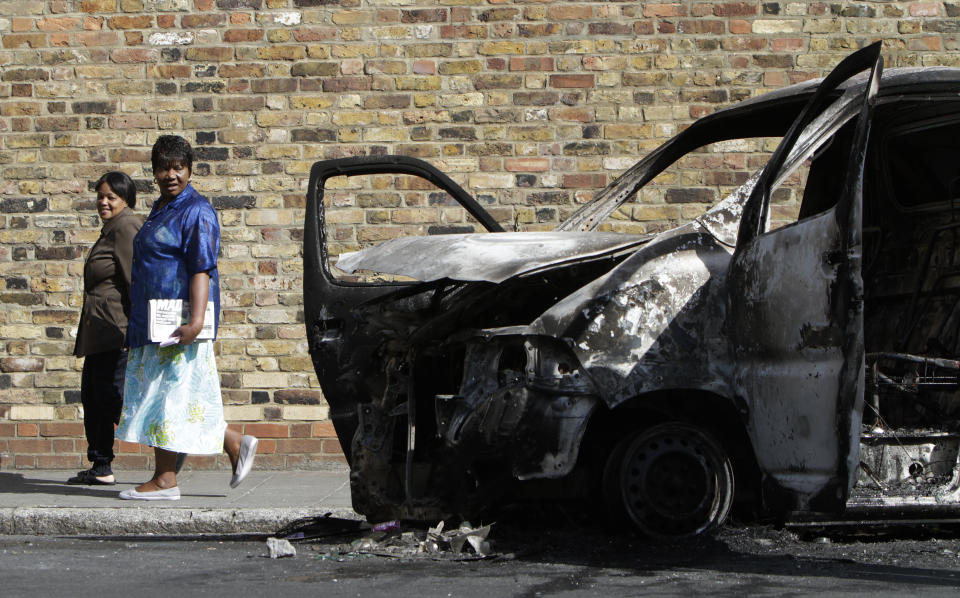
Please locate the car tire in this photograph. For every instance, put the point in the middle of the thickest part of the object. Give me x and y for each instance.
(610, 486)
(676, 482)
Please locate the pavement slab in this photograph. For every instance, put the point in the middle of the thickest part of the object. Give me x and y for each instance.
(39, 502)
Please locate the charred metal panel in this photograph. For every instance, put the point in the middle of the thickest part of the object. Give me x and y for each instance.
(493, 257)
(780, 289)
(650, 323)
(531, 410)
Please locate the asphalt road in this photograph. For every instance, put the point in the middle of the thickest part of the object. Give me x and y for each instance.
(528, 560)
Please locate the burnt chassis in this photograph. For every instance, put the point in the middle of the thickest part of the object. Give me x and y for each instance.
(449, 392)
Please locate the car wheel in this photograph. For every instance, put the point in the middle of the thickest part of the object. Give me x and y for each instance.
(676, 482)
(610, 486)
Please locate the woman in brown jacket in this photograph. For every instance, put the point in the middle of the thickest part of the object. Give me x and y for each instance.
(103, 323)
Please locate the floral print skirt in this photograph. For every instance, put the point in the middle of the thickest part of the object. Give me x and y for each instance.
(171, 399)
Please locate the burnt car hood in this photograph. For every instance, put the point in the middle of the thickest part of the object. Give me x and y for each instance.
(491, 257)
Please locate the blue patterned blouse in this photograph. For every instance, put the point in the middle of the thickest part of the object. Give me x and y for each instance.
(175, 242)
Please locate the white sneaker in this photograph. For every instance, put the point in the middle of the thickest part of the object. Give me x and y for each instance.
(248, 450)
(165, 494)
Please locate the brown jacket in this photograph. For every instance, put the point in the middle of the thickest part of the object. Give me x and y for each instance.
(106, 285)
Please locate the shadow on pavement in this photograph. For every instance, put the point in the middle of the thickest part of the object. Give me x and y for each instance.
(15, 483)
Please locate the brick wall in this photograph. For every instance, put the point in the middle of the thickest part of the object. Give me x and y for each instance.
(532, 106)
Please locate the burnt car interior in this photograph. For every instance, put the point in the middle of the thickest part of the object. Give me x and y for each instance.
(446, 404)
(911, 271)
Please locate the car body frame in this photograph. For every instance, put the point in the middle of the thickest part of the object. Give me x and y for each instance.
(670, 376)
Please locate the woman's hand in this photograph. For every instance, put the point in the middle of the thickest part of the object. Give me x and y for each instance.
(187, 333)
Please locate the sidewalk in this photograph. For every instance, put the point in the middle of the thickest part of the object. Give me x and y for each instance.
(38, 502)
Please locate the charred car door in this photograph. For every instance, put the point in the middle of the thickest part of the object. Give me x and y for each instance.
(342, 347)
(795, 312)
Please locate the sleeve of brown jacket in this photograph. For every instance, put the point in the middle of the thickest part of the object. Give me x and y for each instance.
(123, 247)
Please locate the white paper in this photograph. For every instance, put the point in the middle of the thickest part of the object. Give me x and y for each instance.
(166, 315)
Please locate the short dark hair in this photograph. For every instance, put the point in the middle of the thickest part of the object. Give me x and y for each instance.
(169, 149)
(121, 184)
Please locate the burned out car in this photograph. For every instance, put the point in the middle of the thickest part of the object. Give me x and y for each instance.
(671, 377)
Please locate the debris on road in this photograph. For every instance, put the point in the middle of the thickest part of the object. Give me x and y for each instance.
(280, 548)
(391, 539)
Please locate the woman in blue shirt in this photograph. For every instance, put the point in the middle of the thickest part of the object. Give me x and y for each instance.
(172, 396)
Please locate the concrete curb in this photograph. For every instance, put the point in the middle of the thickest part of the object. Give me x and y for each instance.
(103, 521)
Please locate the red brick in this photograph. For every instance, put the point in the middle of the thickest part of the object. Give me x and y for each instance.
(122, 446)
(166, 21)
(271, 462)
(584, 181)
(266, 446)
(133, 38)
(21, 24)
(741, 44)
(128, 55)
(576, 81)
(98, 38)
(526, 63)
(786, 44)
(664, 10)
(170, 71)
(61, 429)
(324, 430)
(314, 34)
(24, 462)
(204, 462)
(701, 26)
(924, 9)
(924, 44)
(643, 28)
(30, 445)
(300, 445)
(301, 430)
(59, 24)
(25, 430)
(729, 9)
(203, 4)
(527, 164)
(8, 430)
(775, 79)
(132, 462)
(332, 447)
(739, 27)
(242, 35)
(130, 22)
(570, 13)
(65, 445)
(60, 462)
(207, 20)
(267, 430)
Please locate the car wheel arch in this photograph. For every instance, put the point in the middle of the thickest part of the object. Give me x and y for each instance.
(722, 417)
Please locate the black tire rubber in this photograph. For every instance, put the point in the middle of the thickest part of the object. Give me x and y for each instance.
(676, 482)
(610, 488)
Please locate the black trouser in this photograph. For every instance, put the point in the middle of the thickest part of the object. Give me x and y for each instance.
(101, 392)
